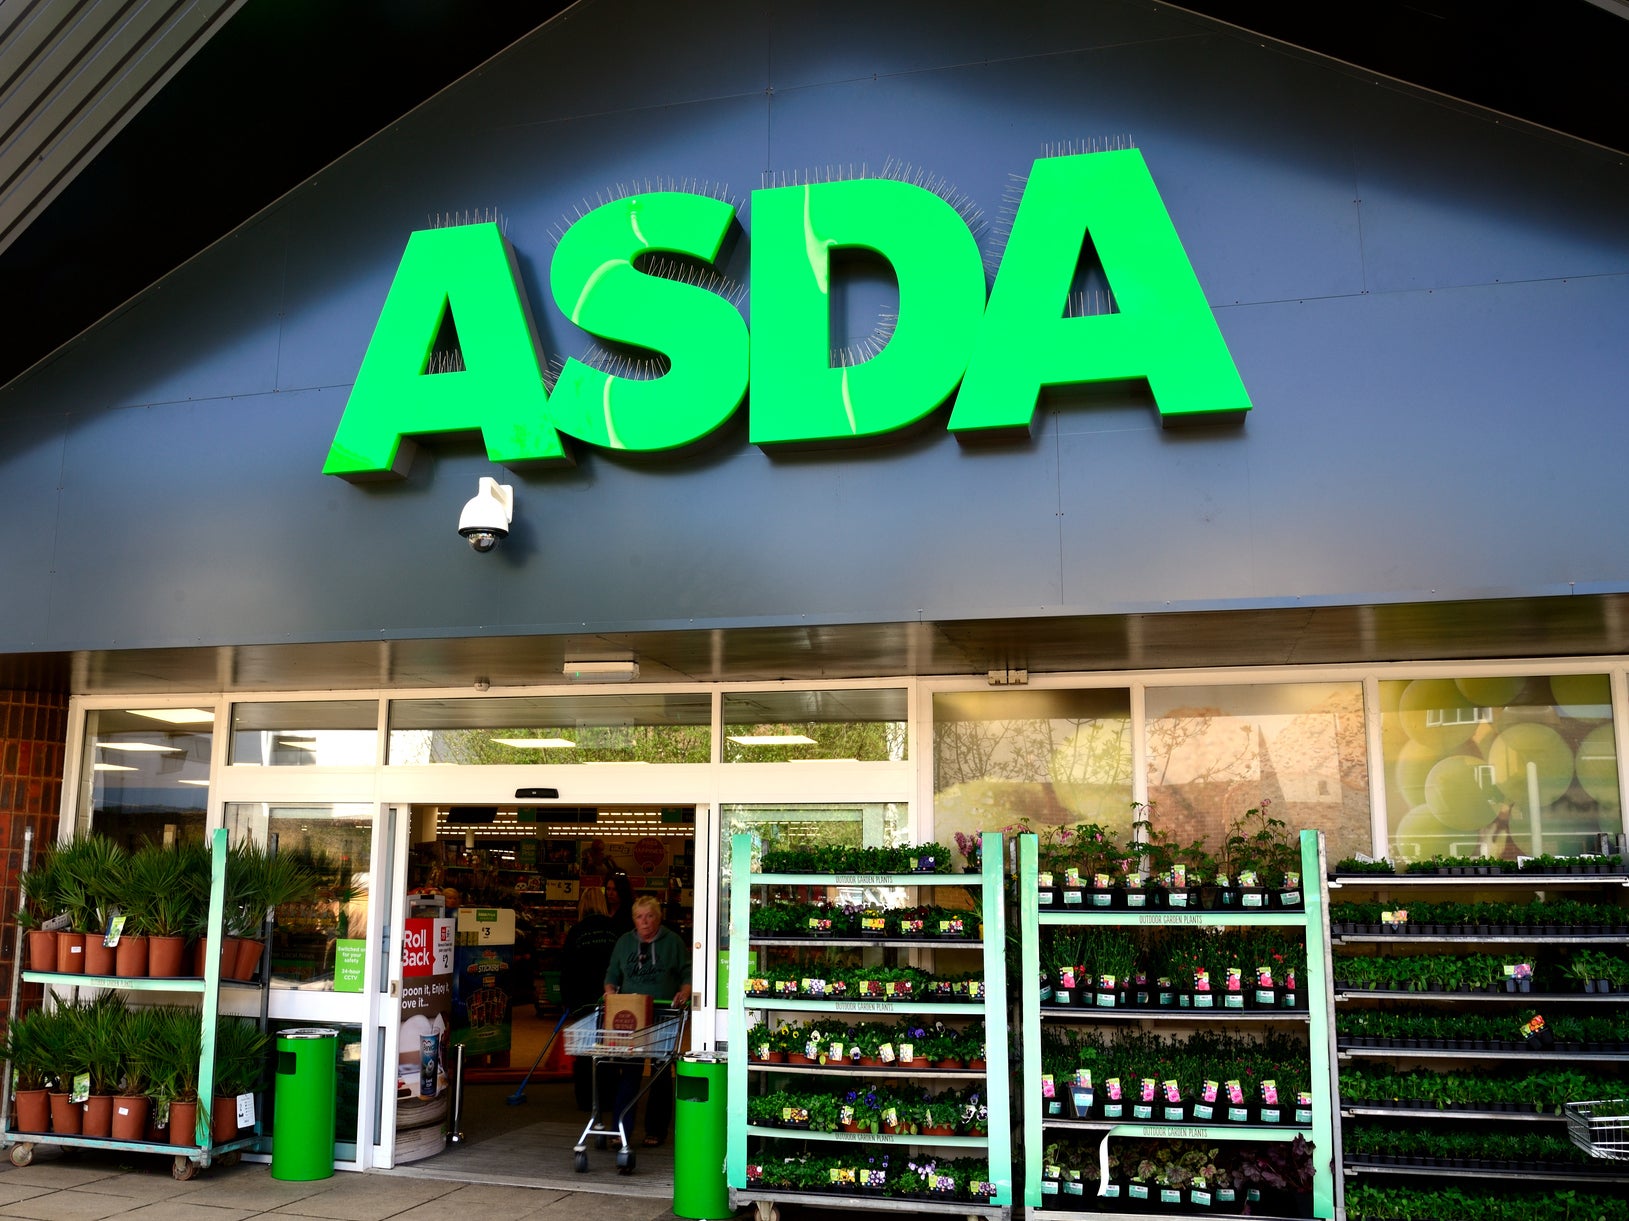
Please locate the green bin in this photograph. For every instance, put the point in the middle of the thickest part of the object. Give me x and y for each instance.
(303, 1110)
(699, 1186)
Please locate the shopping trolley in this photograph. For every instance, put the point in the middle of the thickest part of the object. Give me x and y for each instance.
(1600, 1128)
(660, 1043)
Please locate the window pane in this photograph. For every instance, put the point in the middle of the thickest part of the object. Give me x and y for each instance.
(1052, 757)
(1499, 766)
(323, 733)
(864, 725)
(149, 772)
(623, 728)
(1215, 752)
(862, 824)
(338, 841)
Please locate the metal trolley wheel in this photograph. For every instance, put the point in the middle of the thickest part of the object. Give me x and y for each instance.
(579, 1161)
(625, 1161)
(22, 1155)
(183, 1168)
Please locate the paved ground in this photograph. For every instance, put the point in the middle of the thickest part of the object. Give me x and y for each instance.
(94, 1185)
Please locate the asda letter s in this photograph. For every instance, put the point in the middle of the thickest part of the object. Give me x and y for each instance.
(995, 356)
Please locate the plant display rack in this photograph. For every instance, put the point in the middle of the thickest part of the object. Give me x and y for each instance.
(1311, 920)
(1609, 1064)
(187, 1159)
(746, 1076)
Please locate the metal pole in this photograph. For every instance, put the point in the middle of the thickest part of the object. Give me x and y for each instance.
(455, 1125)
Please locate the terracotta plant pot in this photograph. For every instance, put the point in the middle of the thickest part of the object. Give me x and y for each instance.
(948, 1062)
(165, 956)
(33, 1111)
(248, 959)
(70, 953)
(228, 951)
(67, 1118)
(130, 959)
(100, 959)
(130, 1116)
(98, 1116)
(42, 950)
(182, 1128)
(223, 1119)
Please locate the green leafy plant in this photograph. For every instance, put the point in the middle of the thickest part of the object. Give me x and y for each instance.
(240, 1056)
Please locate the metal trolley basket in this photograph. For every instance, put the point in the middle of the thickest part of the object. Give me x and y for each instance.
(660, 1043)
(1600, 1135)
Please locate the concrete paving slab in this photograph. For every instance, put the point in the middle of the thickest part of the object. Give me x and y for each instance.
(189, 1210)
(11, 1194)
(367, 1197)
(251, 1186)
(69, 1205)
(493, 1203)
(51, 1170)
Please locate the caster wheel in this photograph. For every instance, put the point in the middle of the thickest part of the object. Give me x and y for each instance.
(22, 1155)
(579, 1163)
(625, 1161)
(230, 1158)
(183, 1169)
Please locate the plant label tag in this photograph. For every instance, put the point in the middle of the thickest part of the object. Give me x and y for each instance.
(1171, 1195)
(1142, 1111)
(1074, 1187)
(246, 1110)
(57, 923)
(907, 1053)
(1114, 1110)
(115, 930)
(885, 1053)
(1139, 1191)
(1269, 1115)
(1048, 1090)
(81, 1088)
(1204, 1112)
(1049, 1187)
(1177, 898)
(1238, 1114)
(1252, 899)
(1199, 1199)
(1109, 1191)
(1072, 898)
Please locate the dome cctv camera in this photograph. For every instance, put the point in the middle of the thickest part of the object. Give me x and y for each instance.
(487, 514)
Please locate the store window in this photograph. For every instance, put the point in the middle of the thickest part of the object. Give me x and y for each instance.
(1501, 767)
(312, 941)
(1047, 757)
(1215, 752)
(631, 727)
(863, 725)
(858, 824)
(146, 772)
(317, 733)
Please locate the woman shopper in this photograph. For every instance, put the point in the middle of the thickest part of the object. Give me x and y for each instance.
(583, 961)
(650, 961)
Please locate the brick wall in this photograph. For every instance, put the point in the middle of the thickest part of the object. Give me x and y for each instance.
(33, 737)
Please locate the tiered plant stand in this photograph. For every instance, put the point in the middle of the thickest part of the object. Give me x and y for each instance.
(1404, 889)
(1311, 921)
(187, 1159)
(746, 1076)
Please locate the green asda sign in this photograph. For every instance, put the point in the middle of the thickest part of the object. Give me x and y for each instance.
(995, 356)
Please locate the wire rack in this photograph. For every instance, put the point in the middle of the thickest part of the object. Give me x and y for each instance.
(588, 1036)
(1600, 1135)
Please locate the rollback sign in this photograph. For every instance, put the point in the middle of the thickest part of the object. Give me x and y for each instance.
(995, 356)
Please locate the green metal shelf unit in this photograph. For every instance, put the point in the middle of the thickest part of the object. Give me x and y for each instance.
(1312, 921)
(743, 1074)
(188, 1159)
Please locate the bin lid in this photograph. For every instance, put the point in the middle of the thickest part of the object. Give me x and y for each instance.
(309, 1032)
(704, 1057)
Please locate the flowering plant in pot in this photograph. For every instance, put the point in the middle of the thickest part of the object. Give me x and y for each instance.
(972, 849)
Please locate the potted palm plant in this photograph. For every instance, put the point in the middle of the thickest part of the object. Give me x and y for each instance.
(62, 1045)
(25, 1049)
(90, 866)
(131, 1104)
(161, 884)
(240, 1064)
(269, 880)
(172, 1053)
(102, 1029)
(42, 900)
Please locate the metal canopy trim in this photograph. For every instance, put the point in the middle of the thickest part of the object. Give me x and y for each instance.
(1581, 626)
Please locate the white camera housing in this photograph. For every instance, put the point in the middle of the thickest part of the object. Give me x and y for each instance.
(487, 514)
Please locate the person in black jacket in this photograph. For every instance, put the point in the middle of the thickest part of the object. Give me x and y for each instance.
(619, 902)
(583, 960)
